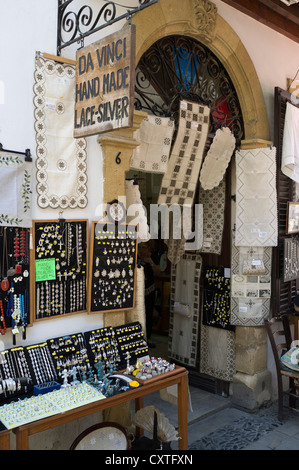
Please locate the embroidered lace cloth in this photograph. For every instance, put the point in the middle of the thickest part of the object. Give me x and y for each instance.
(185, 239)
(15, 190)
(61, 159)
(217, 159)
(213, 202)
(155, 137)
(184, 325)
(290, 146)
(250, 296)
(179, 182)
(217, 352)
(136, 211)
(256, 199)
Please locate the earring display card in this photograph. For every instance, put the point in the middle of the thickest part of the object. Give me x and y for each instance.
(70, 356)
(70, 360)
(15, 279)
(41, 366)
(216, 305)
(14, 366)
(113, 267)
(290, 259)
(60, 261)
(102, 347)
(131, 343)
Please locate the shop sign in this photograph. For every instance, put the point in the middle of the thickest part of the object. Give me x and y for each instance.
(105, 82)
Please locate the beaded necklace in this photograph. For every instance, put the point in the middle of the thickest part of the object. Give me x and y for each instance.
(2, 319)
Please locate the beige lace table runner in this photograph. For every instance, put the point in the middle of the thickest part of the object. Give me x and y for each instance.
(61, 159)
(179, 182)
(155, 137)
(256, 198)
(217, 159)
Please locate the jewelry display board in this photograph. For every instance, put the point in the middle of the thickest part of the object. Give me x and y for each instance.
(116, 347)
(69, 356)
(42, 369)
(102, 346)
(15, 280)
(38, 407)
(216, 302)
(290, 259)
(14, 365)
(70, 359)
(60, 262)
(113, 265)
(131, 343)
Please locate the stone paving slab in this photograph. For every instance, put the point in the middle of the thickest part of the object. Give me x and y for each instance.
(214, 424)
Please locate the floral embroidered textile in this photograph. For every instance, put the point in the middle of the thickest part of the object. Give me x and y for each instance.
(15, 190)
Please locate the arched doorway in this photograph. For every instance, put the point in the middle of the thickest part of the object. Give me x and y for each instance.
(179, 67)
(168, 27)
(199, 19)
(173, 69)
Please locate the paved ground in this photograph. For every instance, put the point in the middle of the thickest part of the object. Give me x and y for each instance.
(215, 425)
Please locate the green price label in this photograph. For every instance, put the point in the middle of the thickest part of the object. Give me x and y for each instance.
(45, 269)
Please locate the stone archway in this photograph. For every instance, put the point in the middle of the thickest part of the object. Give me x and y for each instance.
(199, 19)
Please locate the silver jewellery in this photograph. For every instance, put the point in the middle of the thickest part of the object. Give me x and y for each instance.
(131, 342)
(69, 354)
(113, 269)
(13, 368)
(64, 292)
(14, 280)
(67, 361)
(103, 347)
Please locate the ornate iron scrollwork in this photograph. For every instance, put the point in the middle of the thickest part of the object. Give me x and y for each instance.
(75, 26)
(180, 67)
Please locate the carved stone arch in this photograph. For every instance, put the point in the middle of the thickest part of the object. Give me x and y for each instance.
(199, 19)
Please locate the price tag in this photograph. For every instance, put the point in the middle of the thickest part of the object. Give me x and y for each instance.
(45, 270)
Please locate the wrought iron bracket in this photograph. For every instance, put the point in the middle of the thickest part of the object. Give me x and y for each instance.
(73, 27)
(27, 153)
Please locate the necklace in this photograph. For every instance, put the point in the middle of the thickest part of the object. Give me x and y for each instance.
(4, 282)
(2, 319)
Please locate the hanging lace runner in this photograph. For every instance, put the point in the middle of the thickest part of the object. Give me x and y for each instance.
(61, 159)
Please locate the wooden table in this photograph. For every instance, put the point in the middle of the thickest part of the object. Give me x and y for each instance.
(179, 377)
(5, 440)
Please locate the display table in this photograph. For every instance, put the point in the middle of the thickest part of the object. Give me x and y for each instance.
(179, 377)
(5, 440)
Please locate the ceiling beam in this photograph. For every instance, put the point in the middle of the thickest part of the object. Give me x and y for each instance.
(272, 13)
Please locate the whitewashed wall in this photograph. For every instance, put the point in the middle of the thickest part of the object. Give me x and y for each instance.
(274, 56)
(30, 26)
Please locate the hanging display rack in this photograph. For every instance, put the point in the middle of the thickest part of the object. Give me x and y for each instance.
(27, 153)
(83, 23)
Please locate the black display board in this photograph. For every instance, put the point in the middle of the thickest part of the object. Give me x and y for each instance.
(216, 298)
(14, 280)
(290, 259)
(60, 262)
(113, 267)
(74, 357)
